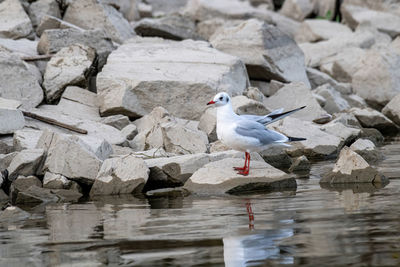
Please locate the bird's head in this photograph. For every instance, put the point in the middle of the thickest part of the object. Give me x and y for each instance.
(220, 99)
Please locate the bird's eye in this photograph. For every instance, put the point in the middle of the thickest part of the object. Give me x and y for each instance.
(221, 98)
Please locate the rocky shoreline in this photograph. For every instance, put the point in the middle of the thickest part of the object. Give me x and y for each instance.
(105, 97)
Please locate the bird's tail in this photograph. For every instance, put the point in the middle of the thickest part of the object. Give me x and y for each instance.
(293, 139)
(277, 115)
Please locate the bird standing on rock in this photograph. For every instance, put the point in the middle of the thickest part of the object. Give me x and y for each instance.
(247, 133)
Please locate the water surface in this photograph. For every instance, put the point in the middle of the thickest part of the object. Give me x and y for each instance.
(354, 225)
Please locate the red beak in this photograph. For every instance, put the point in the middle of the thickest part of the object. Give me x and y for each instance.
(211, 102)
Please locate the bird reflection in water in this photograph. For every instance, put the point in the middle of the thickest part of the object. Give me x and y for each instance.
(250, 213)
(255, 247)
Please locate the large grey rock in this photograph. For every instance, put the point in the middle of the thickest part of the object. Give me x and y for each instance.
(178, 139)
(54, 40)
(129, 131)
(6, 144)
(218, 177)
(315, 52)
(267, 88)
(21, 47)
(207, 28)
(300, 164)
(315, 30)
(25, 163)
(94, 128)
(174, 171)
(5, 159)
(271, 54)
(161, 7)
(73, 157)
(175, 27)
(14, 22)
(128, 8)
(318, 78)
(285, 24)
(11, 120)
(67, 67)
(383, 21)
(50, 22)
(161, 130)
(370, 118)
(334, 102)
(352, 168)
(22, 183)
(345, 133)
(43, 7)
(35, 194)
(378, 81)
(123, 175)
(367, 150)
(208, 122)
(200, 10)
(89, 14)
(155, 72)
(116, 121)
(346, 63)
(15, 74)
(297, 9)
(277, 157)
(319, 144)
(299, 95)
(26, 139)
(78, 103)
(392, 109)
(56, 181)
(244, 105)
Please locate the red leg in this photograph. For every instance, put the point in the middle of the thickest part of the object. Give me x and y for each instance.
(247, 167)
(244, 167)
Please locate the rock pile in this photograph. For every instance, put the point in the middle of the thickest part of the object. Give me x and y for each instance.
(103, 97)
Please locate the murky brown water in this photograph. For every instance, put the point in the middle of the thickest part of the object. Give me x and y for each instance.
(313, 226)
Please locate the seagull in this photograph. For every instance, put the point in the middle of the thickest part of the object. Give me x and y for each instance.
(248, 133)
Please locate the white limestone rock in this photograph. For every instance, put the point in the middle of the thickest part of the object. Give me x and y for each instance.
(16, 74)
(26, 138)
(271, 55)
(315, 30)
(90, 14)
(148, 72)
(392, 109)
(299, 95)
(352, 168)
(11, 120)
(14, 22)
(122, 175)
(67, 67)
(219, 177)
(25, 163)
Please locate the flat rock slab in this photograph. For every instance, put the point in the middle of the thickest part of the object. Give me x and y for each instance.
(219, 177)
(144, 73)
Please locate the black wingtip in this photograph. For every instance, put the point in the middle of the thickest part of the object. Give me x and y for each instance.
(302, 107)
(294, 139)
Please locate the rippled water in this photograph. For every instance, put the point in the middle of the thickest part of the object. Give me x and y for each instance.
(313, 226)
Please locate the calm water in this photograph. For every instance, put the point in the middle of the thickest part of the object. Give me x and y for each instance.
(312, 226)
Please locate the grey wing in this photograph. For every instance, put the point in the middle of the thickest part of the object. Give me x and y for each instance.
(265, 119)
(258, 131)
